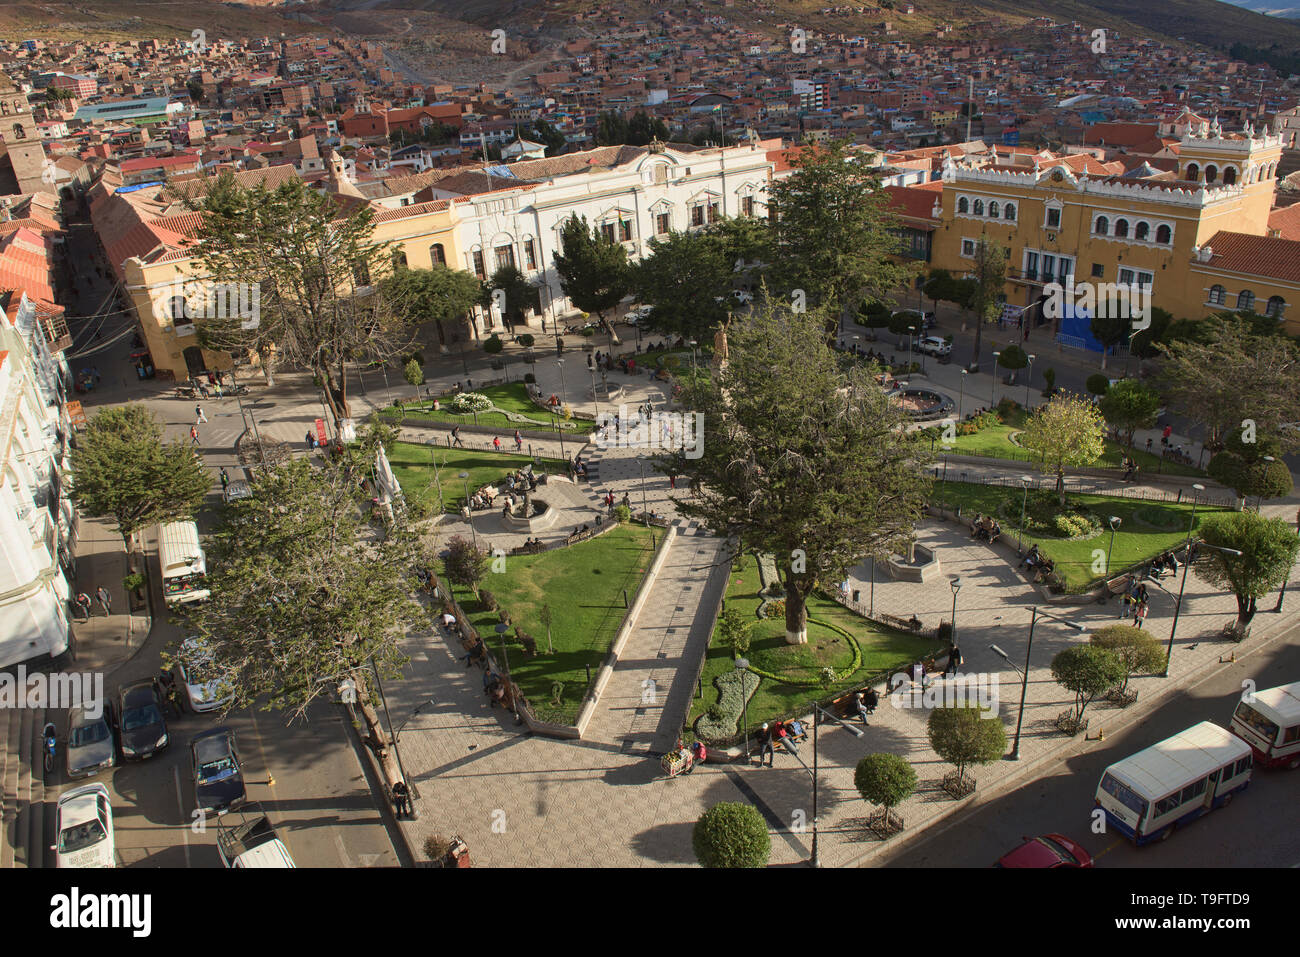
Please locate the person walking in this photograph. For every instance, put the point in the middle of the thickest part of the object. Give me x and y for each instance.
(609, 502)
(199, 417)
(401, 800)
(217, 390)
(82, 602)
(765, 746)
(105, 600)
(954, 660)
(1140, 615)
(194, 435)
(225, 480)
(496, 442)
(455, 436)
(519, 441)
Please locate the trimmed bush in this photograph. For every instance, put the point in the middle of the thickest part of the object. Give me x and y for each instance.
(884, 779)
(488, 600)
(526, 340)
(1072, 526)
(530, 378)
(734, 689)
(493, 345)
(622, 514)
(1097, 384)
(732, 834)
(774, 609)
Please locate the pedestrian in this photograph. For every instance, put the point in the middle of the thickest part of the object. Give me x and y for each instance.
(105, 600)
(401, 800)
(83, 602)
(1164, 436)
(627, 500)
(202, 387)
(954, 660)
(588, 360)
(199, 417)
(519, 441)
(455, 436)
(496, 442)
(1148, 443)
(672, 479)
(218, 390)
(1140, 615)
(765, 746)
(860, 706)
(609, 502)
(194, 435)
(225, 480)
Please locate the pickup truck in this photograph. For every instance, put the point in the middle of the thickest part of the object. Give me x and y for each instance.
(245, 838)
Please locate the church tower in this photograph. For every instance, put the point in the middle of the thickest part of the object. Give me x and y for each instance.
(22, 160)
(1246, 160)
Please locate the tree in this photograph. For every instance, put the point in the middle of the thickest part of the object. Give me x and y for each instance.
(493, 345)
(545, 133)
(593, 270)
(1013, 357)
(803, 459)
(731, 834)
(1130, 405)
(1268, 549)
(520, 294)
(1137, 648)
(55, 96)
(437, 295)
(1097, 384)
(1049, 382)
(413, 374)
(967, 735)
(465, 565)
(938, 287)
(884, 779)
(683, 276)
(1088, 671)
(1144, 342)
(874, 315)
(315, 267)
(733, 632)
(1110, 331)
(1245, 468)
(122, 469)
(1067, 432)
(832, 230)
(304, 601)
(986, 285)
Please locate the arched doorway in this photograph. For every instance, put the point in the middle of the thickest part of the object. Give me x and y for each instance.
(194, 363)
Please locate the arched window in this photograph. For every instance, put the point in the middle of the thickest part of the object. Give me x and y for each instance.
(963, 205)
(1102, 226)
(1142, 231)
(1217, 294)
(399, 259)
(177, 310)
(1275, 306)
(438, 255)
(1229, 175)
(19, 132)
(1164, 235)
(1272, 168)
(1121, 227)
(1211, 173)
(1193, 172)
(1009, 212)
(979, 207)
(1245, 300)
(994, 210)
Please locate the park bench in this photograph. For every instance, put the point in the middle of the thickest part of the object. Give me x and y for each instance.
(534, 549)
(902, 624)
(1118, 585)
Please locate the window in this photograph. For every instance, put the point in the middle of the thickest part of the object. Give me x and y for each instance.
(1031, 265)
(1053, 218)
(963, 205)
(1102, 226)
(505, 256)
(1064, 268)
(1193, 172)
(979, 207)
(625, 230)
(713, 212)
(1009, 213)
(1275, 306)
(661, 173)
(1165, 805)
(1211, 173)
(968, 248)
(993, 209)
(1164, 235)
(399, 259)
(747, 206)
(1217, 295)
(1243, 765)
(1193, 791)
(479, 269)
(607, 231)
(1098, 270)
(1049, 266)
(1121, 228)
(438, 255)
(361, 274)
(697, 215)
(530, 254)
(19, 132)
(1141, 232)
(1245, 300)
(661, 224)
(1229, 176)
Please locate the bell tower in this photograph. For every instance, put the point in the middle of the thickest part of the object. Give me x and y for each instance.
(20, 143)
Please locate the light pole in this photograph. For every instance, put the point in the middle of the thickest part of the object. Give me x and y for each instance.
(742, 665)
(994, 388)
(956, 587)
(1191, 523)
(1024, 675)
(961, 399)
(469, 511)
(818, 711)
(1026, 481)
(564, 395)
(1178, 603)
(694, 343)
(433, 457)
(594, 397)
(645, 510)
(1029, 378)
(1115, 523)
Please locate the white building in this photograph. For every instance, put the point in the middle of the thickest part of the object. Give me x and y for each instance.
(37, 523)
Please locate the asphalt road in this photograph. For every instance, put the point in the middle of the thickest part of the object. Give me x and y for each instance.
(1259, 829)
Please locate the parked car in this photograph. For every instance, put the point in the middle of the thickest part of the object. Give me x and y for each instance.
(218, 778)
(144, 732)
(933, 346)
(928, 319)
(236, 490)
(91, 743)
(639, 314)
(204, 688)
(1049, 850)
(84, 828)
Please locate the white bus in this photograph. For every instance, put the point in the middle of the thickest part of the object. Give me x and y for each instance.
(1270, 723)
(184, 567)
(1174, 782)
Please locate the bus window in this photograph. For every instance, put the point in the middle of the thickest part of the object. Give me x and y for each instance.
(1292, 735)
(1124, 795)
(1243, 765)
(1193, 791)
(1256, 722)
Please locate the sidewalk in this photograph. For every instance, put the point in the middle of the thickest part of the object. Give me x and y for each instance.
(106, 641)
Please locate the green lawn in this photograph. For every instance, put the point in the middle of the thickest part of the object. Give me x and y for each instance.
(882, 649)
(1146, 529)
(413, 466)
(995, 442)
(512, 397)
(584, 586)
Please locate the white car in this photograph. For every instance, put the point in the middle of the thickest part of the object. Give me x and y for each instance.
(639, 314)
(85, 828)
(933, 346)
(236, 490)
(205, 690)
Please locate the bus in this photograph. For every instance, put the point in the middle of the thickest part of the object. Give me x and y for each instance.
(184, 567)
(1174, 782)
(1270, 723)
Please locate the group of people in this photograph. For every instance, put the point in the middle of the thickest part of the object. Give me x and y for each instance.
(1130, 469)
(986, 528)
(483, 498)
(784, 732)
(1135, 603)
(521, 479)
(865, 702)
(1039, 565)
(1163, 563)
(577, 468)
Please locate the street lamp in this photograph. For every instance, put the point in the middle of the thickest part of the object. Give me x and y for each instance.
(1269, 460)
(818, 711)
(1178, 603)
(1026, 481)
(1191, 524)
(956, 587)
(1029, 378)
(962, 397)
(433, 457)
(469, 511)
(1114, 527)
(742, 665)
(594, 397)
(694, 343)
(1024, 675)
(994, 388)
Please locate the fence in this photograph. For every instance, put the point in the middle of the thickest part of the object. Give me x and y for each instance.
(1004, 481)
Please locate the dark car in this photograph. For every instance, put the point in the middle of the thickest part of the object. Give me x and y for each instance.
(143, 730)
(1049, 850)
(91, 747)
(218, 779)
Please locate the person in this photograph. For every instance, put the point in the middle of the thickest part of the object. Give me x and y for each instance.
(627, 501)
(699, 754)
(954, 660)
(455, 436)
(609, 502)
(1164, 436)
(765, 746)
(225, 480)
(105, 600)
(1142, 595)
(475, 653)
(871, 699)
(860, 706)
(194, 435)
(202, 387)
(199, 417)
(782, 735)
(449, 621)
(519, 441)
(797, 731)
(1148, 444)
(217, 390)
(1140, 615)
(310, 440)
(401, 800)
(995, 531)
(1031, 557)
(83, 602)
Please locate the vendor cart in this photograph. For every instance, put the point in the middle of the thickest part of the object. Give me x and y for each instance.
(677, 762)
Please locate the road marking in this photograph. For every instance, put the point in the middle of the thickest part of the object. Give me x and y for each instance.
(344, 856)
(185, 827)
(1106, 850)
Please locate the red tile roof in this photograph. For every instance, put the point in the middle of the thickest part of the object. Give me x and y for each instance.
(1265, 256)
(1286, 222)
(914, 202)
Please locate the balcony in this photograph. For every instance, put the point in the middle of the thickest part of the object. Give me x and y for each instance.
(57, 336)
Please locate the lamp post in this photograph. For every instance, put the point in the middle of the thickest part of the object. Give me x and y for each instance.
(1115, 523)
(956, 587)
(961, 399)
(1029, 377)
(1024, 675)
(564, 395)
(1191, 523)
(594, 397)
(1178, 603)
(818, 711)
(645, 510)
(464, 477)
(1026, 481)
(397, 751)
(994, 388)
(694, 343)
(742, 665)
(433, 457)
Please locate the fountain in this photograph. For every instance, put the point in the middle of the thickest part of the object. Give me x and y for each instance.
(531, 515)
(923, 404)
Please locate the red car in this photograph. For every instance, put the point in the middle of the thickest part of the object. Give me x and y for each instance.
(1050, 850)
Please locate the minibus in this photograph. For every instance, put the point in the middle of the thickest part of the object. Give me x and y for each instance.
(184, 568)
(1174, 782)
(1269, 721)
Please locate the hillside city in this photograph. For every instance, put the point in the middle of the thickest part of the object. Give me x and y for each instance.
(658, 439)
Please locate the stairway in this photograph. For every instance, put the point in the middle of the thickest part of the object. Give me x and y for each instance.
(22, 788)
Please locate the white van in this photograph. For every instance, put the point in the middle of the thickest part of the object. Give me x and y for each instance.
(245, 839)
(1270, 723)
(184, 567)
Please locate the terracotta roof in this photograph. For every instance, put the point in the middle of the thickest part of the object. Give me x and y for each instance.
(26, 264)
(913, 202)
(1120, 134)
(1286, 222)
(415, 209)
(1264, 256)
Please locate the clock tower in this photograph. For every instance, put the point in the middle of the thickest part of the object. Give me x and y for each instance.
(22, 154)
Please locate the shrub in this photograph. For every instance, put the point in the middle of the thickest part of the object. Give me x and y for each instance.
(469, 402)
(732, 834)
(493, 345)
(1049, 380)
(734, 689)
(774, 609)
(714, 712)
(526, 340)
(1072, 526)
(967, 735)
(1139, 650)
(504, 615)
(528, 641)
(884, 779)
(622, 513)
(1097, 384)
(133, 581)
(733, 632)
(488, 600)
(530, 378)
(1007, 408)
(465, 564)
(436, 847)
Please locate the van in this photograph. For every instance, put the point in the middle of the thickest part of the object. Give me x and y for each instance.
(184, 566)
(1269, 721)
(245, 838)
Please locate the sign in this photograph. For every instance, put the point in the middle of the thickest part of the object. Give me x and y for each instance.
(1011, 137)
(320, 432)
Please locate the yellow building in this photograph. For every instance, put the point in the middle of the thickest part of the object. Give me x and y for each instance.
(1198, 241)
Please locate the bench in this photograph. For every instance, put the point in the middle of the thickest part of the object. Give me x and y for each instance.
(534, 549)
(1116, 586)
(902, 624)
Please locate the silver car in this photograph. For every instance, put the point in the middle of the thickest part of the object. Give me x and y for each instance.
(91, 744)
(205, 687)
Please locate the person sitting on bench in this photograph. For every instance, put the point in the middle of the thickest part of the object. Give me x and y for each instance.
(1031, 558)
(1044, 571)
(994, 531)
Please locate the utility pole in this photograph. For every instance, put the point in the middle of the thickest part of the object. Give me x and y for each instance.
(970, 105)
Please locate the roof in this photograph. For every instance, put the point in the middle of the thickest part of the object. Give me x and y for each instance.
(1267, 257)
(1179, 760)
(1286, 222)
(1283, 701)
(913, 202)
(1121, 134)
